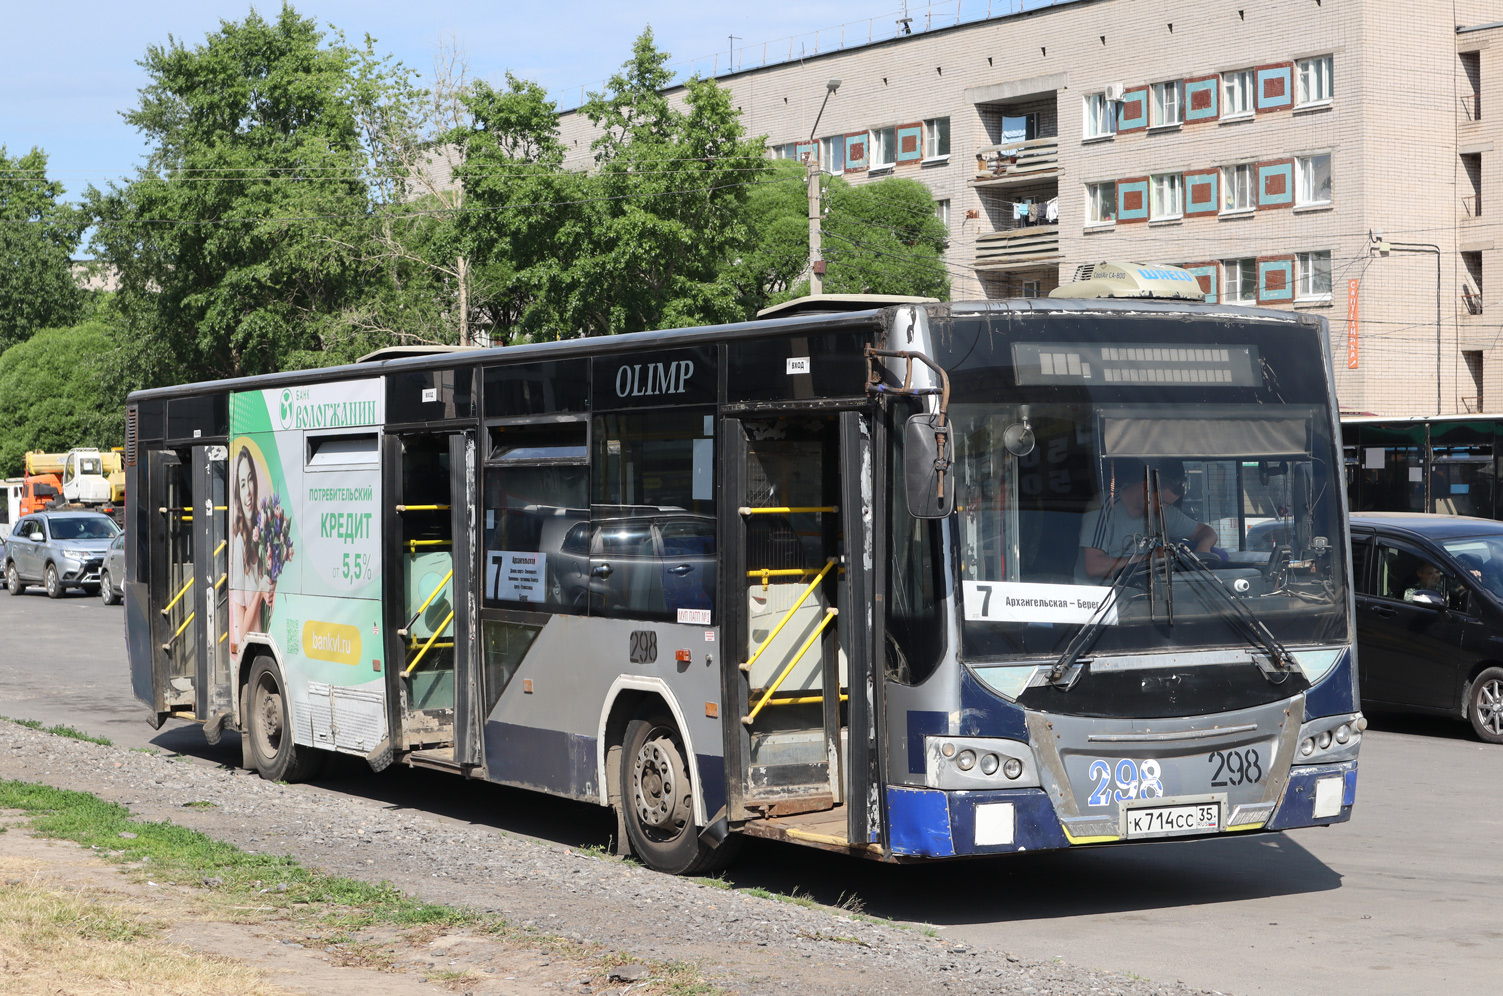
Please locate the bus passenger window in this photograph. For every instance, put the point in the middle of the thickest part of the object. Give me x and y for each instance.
(536, 501)
(652, 516)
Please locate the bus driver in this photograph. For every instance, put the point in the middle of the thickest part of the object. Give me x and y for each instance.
(1109, 535)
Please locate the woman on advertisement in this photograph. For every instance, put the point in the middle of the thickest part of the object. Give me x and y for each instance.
(260, 548)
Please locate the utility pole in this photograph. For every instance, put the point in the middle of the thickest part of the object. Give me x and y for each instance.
(816, 263)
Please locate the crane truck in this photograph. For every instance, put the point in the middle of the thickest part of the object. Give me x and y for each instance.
(83, 477)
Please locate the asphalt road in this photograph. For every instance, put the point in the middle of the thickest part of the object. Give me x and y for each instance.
(1401, 900)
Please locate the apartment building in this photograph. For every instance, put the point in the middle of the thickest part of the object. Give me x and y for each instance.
(1318, 155)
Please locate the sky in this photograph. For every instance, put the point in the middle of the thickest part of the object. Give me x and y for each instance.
(70, 70)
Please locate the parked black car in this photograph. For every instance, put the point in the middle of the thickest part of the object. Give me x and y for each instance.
(1430, 615)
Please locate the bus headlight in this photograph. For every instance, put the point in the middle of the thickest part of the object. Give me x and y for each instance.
(1343, 733)
(1013, 768)
(1307, 747)
(966, 761)
(1324, 740)
(989, 764)
(971, 763)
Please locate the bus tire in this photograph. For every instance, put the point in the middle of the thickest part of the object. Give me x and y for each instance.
(1484, 705)
(657, 798)
(269, 718)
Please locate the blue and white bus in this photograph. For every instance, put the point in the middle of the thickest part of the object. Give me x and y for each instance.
(900, 579)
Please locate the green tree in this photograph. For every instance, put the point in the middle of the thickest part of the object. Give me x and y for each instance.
(54, 395)
(38, 235)
(233, 245)
(650, 238)
(876, 238)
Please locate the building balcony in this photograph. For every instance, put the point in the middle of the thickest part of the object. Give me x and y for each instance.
(1473, 301)
(1016, 163)
(1018, 248)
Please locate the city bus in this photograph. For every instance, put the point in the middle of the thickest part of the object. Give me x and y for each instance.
(1425, 463)
(816, 577)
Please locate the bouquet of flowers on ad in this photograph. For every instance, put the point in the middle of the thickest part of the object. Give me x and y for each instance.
(272, 537)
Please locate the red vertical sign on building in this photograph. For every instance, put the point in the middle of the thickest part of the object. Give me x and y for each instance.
(1351, 325)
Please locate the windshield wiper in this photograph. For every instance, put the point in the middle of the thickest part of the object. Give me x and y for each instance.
(1087, 633)
(1281, 661)
(1156, 512)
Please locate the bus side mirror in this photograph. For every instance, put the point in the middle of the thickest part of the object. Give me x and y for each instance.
(929, 466)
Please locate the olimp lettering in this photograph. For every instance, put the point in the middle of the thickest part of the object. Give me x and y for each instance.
(643, 379)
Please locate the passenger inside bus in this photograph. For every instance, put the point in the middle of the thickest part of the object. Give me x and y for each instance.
(1111, 536)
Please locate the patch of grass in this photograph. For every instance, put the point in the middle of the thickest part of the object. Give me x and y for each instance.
(927, 930)
(715, 882)
(30, 724)
(820, 935)
(759, 893)
(851, 903)
(200, 804)
(142, 750)
(76, 734)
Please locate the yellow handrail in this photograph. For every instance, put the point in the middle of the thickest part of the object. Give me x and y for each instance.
(174, 636)
(784, 509)
(429, 600)
(220, 548)
(449, 618)
(830, 614)
(805, 700)
(789, 614)
(178, 597)
(222, 579)
(414, 544)
(423, 508)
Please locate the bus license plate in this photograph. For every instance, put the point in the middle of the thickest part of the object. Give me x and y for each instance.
(1202, 817)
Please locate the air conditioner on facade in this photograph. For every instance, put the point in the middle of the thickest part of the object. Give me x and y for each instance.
(1114, 91)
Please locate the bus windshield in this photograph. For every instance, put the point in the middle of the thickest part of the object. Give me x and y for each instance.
(1132, 439)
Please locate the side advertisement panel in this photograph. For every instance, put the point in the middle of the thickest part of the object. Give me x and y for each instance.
(305, 552)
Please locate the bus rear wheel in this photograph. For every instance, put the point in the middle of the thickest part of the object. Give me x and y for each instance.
(657, 799)
(269, 726)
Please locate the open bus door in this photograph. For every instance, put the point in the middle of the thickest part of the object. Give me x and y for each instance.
(798, 569)
(213, 681)
(432, 612)
(170, 618)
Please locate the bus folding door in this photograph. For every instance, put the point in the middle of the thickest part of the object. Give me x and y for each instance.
(787, 676)
(174, 643)
(209, 521)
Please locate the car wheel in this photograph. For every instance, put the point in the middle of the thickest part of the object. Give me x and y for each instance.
(13, 580)
(53, 583)
(107, 589)
(269, 715)
(657, 800)
(91, 590)
(1484, 705)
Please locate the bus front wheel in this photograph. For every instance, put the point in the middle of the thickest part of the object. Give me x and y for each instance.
(269, 720)
(657, 798)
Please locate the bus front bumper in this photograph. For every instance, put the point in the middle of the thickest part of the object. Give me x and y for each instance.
(935, 823)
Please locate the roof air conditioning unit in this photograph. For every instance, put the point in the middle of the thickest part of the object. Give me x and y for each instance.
(1114, 91)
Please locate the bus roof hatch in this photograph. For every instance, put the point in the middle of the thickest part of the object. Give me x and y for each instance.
(1147, 280)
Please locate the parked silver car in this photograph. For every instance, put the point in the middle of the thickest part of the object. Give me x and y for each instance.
(112, 573)
(59, 550)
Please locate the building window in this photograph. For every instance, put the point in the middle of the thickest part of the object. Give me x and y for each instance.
(1237, 188)
(942, 212)
(1314, 275)
(884, 147)
(789, 151)
(1030, 288)
(936, 138)
(832, 154)
(1314, 180)
(1240, 283)
(1101, 203)
(1168, 197)
(1315, 80)
(1166, 104)
(1471, 287)
(1237, 93)
(1100, 116)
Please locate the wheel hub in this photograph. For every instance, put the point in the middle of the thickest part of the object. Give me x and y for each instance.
(661, 797)
(1490, 706)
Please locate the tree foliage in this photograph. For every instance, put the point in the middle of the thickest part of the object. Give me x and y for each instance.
(233, 244)
(38, 235)
(53, 394)
(876, 238)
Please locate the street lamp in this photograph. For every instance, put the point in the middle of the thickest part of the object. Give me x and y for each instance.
(816, 265)
(1383, 247)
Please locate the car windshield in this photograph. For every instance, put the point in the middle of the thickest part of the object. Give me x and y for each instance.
(1481, 557)
(91, 527)
(1120, 450)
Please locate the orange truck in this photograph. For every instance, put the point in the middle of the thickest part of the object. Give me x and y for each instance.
(83, 477)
